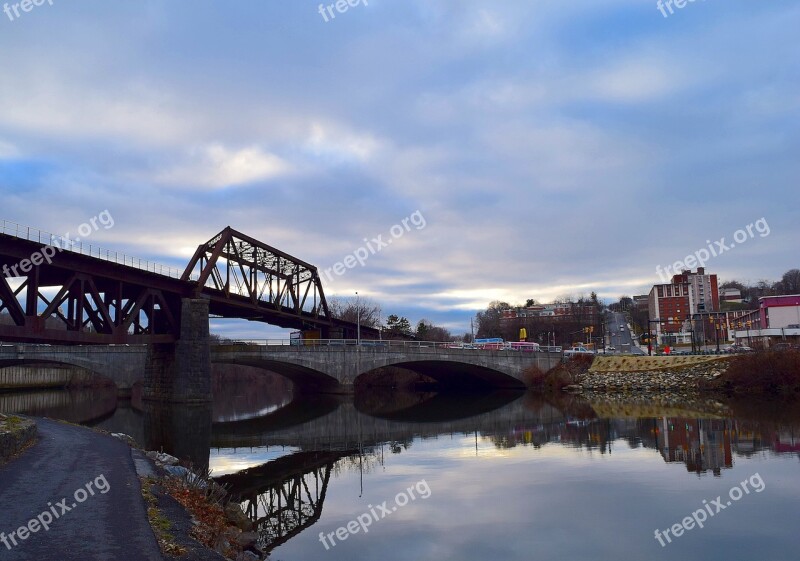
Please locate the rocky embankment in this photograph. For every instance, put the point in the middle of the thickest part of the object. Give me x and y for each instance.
(648, 374)
(15, 433)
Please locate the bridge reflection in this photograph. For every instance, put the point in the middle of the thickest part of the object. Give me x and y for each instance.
(283, 497)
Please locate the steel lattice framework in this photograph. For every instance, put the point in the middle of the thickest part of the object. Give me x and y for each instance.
(80, 299)
(285, 496)
(238, 267)
(82, 294)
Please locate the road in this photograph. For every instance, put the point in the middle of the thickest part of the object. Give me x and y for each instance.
(619, 334)
(90, 475)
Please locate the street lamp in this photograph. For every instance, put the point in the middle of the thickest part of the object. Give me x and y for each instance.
(358, 322)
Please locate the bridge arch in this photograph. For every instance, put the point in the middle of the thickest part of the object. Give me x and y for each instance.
(84, 365)
(455, 375)
(303, 377)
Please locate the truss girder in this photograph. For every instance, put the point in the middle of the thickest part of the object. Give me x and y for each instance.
(232, 264)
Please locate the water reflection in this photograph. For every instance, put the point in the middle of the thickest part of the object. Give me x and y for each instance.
(318, 461)
(283, 497)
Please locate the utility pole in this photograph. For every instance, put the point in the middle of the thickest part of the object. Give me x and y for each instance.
(358, 322)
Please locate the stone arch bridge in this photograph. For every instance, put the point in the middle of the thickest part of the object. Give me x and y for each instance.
(330, 366)
(334, 365)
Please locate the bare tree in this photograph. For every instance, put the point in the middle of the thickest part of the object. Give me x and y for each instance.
(351, 309)
(427, 331)
(790, 282)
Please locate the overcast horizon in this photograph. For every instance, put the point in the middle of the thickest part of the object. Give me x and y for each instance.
(534, 149)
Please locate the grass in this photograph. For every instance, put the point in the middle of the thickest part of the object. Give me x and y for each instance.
(629, 363)
(160, 524)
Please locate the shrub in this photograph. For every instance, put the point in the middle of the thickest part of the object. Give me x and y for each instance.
(762, 372)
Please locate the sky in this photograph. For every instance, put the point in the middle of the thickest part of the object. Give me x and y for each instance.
(536, 149)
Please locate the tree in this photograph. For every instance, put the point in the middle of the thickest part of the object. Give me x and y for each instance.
(398, 326)
(530, 302)
(361, 310)
(489, 321)
(790, 282)
(427, 331)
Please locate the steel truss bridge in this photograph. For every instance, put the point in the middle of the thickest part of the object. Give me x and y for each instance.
(57, 291)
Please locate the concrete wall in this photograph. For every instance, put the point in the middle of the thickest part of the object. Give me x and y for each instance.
(35, 377)
(123, 364)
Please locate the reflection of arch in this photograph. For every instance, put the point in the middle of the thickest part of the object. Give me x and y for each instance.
(454, 375)
(302, 377)
(81, 407)
(300, 410)
(285, 496)
(433, 407)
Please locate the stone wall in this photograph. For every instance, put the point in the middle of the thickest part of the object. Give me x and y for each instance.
(15, 433)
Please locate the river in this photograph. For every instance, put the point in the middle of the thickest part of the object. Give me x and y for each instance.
(503, 476)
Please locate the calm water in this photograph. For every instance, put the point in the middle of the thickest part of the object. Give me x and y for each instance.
(504, 477)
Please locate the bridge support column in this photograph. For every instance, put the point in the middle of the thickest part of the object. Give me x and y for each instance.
(181, 372)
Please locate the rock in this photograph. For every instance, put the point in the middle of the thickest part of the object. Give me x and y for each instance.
(247, 556)
(163, 458)
(234, 514)
(247, 540)
(125, 438)
(177, 471)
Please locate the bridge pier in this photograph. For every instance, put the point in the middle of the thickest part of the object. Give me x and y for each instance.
(181, 372)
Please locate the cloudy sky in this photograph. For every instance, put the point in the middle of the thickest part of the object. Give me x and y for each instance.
(553, 147)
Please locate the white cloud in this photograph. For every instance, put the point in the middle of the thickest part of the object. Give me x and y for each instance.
(335, 144)
(216, 166)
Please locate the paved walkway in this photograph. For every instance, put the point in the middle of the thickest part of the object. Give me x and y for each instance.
(90, 475)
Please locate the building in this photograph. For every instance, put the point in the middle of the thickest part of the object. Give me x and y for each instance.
(730, 295)
(705, 290)
(777, 320)
(670, 304)
(569, 311)
(675, 303)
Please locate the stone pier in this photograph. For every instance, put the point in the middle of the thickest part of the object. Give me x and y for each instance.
(181, 372)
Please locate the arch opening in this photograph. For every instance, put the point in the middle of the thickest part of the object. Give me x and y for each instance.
(303, 378)
(453, 376)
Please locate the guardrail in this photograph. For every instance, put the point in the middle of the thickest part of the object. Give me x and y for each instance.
(63, 244)
(383, 344)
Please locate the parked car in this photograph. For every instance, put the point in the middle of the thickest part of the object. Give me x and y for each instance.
(737, 349)
(577, 350)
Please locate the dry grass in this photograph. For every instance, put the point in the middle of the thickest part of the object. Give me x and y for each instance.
(630, 363)
(769, 372)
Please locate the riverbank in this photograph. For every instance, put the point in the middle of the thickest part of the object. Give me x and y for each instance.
(16, 433)
(775, 373)
(146, 502)
(650, 374)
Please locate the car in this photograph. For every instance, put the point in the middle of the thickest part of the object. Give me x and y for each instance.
(577, 350)
(737, 349)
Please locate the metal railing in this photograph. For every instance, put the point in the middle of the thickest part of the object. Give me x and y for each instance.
(91, 250)
(371, 344)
